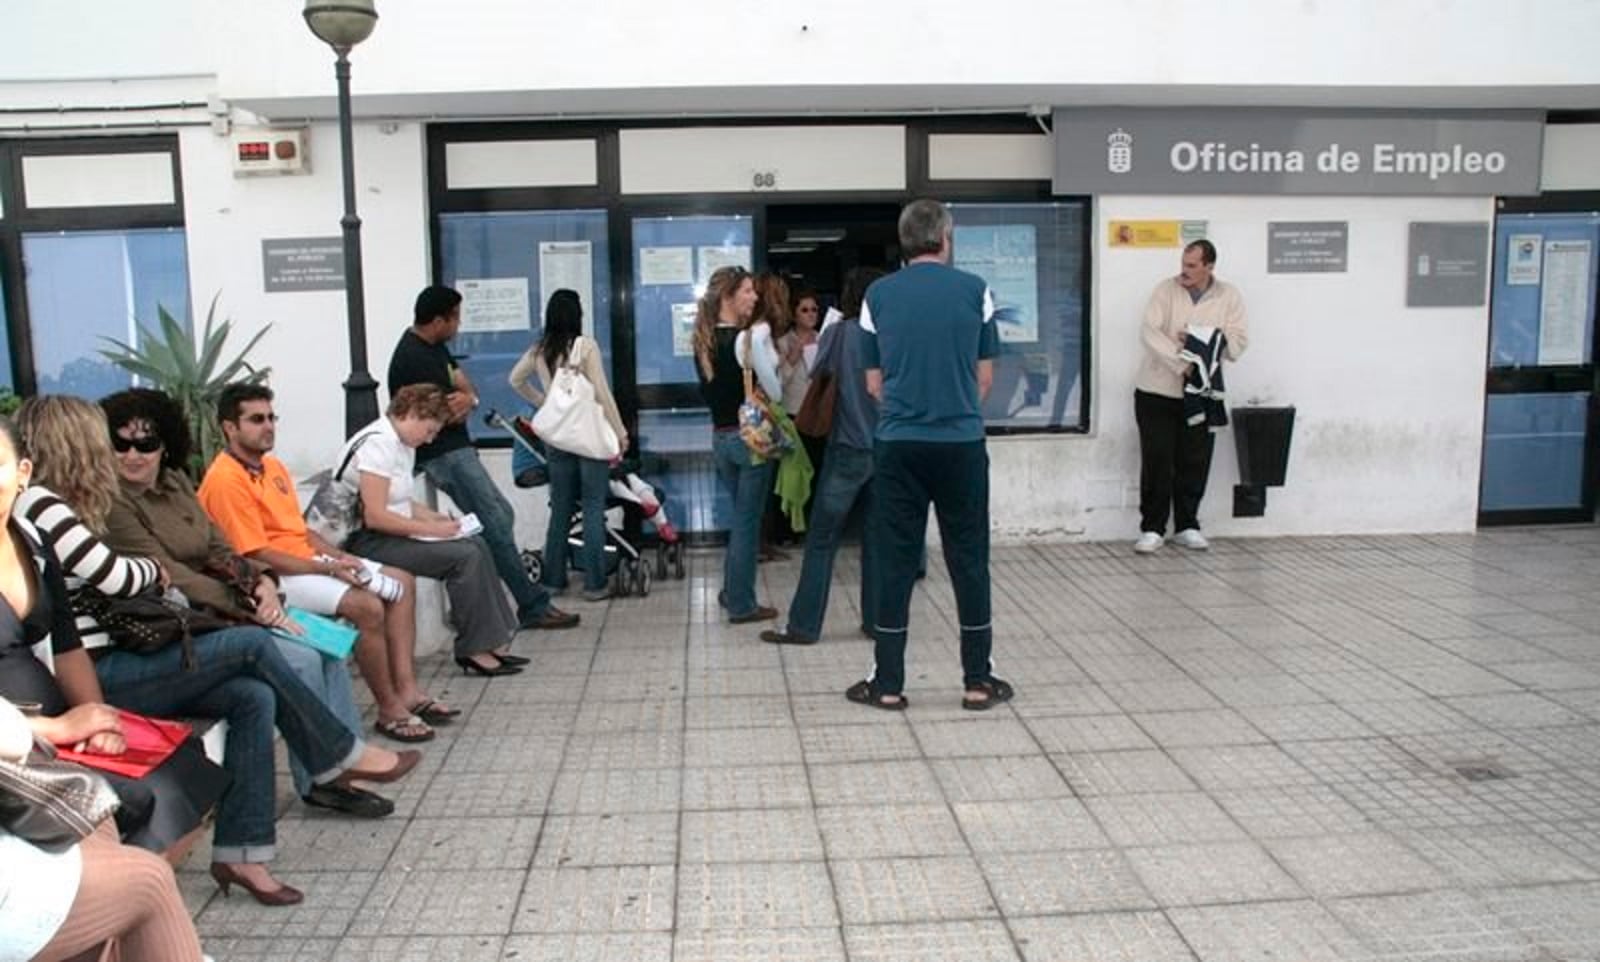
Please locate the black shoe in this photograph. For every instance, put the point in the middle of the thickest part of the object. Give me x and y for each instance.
(351, 801)
(785, 638)
(759, 613)
(550, 619)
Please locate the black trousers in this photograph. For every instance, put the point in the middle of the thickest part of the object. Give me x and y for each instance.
(1174, 461)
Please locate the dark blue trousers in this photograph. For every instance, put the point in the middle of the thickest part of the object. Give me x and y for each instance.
(954, 478)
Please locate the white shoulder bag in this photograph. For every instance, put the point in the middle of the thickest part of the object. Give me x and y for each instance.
(571, 419)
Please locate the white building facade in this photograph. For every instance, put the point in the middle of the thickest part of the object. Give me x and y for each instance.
(626, 146)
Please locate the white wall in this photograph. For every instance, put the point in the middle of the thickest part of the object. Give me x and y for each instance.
(1389, 400)
(308, 346)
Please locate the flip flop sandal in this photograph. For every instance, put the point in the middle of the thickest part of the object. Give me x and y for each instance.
(434, 713)
(862, 693)
(410, 729)
(995, 692)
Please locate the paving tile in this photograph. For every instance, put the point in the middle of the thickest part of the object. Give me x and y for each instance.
(637, 838)
(750, 835)
(335, 844)
(889, 739)
(868, 783)
(722, 747)
(890, 831)
(1301, 931)
(1485, 856)
(434, 902)
(607, 947)
(631, 898)
(478, 844)
(1211, 873)
(614, 791)
(1123, 773)
(1028, 825)
(1371, 863)
(1560, 919)
(1220, 726)
(1089, 880)
(333, 900)
(972, 941)
(1306, 722)
(1106, 937)
(267, 949)
(598, 716)
(761, 895)
(1168, 818)
(1431, 926)
(1225, 767)
(911, 890)
(758, 945)
(417, 948)
(745, 786)
(965, 737)
(1088, 733)
(475, 794)
(999, 779)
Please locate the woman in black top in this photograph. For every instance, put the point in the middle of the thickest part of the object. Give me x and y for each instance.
(722, 341)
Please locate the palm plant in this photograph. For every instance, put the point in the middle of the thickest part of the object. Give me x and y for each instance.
(191, 371)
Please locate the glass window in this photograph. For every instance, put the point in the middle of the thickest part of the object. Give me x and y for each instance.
(1533, 451)
(1542, 313)
(503, 263)
(6, 381)
(84, 286)
(1032, 255)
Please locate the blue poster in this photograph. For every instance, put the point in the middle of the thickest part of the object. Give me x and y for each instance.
(1007, 256)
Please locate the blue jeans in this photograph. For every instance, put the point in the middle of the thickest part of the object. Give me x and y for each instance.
(746, 484)
(460, 474)
(571, 477)
(241, 678)
(329, 680)
(845, 482)
(954, 478)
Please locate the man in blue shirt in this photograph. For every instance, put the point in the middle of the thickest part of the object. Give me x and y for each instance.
(928, 359)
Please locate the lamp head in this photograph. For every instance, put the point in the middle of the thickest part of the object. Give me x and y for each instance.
(341, 24)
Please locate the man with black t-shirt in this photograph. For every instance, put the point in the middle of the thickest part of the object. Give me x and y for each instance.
(451, 462)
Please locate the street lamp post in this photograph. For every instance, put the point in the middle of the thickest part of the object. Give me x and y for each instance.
(342, 24)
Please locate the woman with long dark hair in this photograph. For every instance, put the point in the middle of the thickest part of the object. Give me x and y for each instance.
(572, 476)
(725, 343)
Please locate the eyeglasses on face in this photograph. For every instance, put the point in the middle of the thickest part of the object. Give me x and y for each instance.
(149, 444)
(259, 418)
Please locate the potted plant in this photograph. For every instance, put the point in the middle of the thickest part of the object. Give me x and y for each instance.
(191, 370)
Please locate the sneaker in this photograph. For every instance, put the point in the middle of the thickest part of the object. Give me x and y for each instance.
(1192, 539)
(597, 594)
(785, 638)
(759, 613)
(1149, 542)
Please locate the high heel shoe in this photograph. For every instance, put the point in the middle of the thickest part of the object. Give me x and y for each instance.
(515, 661)
(226, 876)
(470, 667)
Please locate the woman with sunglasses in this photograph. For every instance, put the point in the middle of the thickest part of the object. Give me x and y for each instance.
(240, 676)
(723, 346)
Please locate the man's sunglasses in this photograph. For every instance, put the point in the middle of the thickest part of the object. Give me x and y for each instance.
(259, 418)
(149, 444)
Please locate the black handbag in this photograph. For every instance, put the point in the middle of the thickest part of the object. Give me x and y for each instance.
(50, 802)
(147, 622)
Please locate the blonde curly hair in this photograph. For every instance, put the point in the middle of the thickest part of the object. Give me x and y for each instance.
(70, 446)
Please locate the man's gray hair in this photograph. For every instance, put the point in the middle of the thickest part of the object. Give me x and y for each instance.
(923, 226)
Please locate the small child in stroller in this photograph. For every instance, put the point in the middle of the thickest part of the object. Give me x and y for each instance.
(638, 500)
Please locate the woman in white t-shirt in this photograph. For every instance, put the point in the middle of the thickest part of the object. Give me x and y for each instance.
(398, 530)
(573, 478)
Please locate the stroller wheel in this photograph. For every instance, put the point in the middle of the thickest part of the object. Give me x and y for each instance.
(676, 551)
(661, 561)
(643, 580)
(625, 577)
(533, 564)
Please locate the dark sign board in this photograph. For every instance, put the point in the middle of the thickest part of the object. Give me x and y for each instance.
(1308, 247)
(302, 264)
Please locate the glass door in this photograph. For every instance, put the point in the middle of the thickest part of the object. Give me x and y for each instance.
(1539, 446)
(672, 257)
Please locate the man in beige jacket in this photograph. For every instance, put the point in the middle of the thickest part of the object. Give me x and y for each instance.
(1175, 457)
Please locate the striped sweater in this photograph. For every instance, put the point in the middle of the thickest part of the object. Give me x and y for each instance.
(85, 559)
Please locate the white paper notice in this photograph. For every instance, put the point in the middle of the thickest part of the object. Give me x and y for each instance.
(711, 258)
(666, 265)
(683, 329)
(1564, 302)
(493, 304)
(1522, 260)
(570, 265)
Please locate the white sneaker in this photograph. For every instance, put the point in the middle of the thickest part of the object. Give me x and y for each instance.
(1149, 542)
(1192, 539)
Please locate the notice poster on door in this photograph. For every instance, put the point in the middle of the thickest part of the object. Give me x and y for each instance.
(709, 259)
(1007, 257)
(683, 329)
(1564, 302)
(492, 305)
(1523, 259)
(660, 266)
(568, 265)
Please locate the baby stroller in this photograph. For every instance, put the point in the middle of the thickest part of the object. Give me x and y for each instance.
(638, 501)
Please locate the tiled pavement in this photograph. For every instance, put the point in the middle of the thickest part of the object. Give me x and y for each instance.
(1271, 751)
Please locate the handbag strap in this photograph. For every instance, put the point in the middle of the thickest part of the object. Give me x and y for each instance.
(744, 362)
(339, 474)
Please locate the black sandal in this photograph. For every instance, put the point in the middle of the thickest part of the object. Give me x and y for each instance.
(995, 692)
(862, 693)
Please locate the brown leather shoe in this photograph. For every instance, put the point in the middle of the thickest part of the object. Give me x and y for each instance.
(552, 619)
(760, 613)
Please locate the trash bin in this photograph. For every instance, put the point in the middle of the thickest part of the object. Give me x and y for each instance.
(1261, 438)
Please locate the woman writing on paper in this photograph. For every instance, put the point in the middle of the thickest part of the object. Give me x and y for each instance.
(572, 476)
(397, 530)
